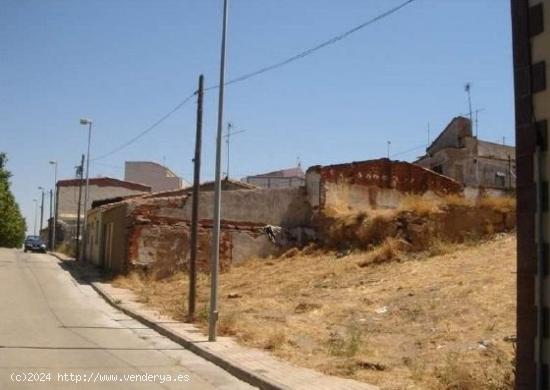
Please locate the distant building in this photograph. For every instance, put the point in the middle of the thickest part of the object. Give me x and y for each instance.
(154, 175)
(99, 188)
(285, 178)
(472, 162)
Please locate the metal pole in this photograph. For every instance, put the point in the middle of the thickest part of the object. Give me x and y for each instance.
(35, 214)
(41, 211)
(195, 211)
(213, 317)
(81, 174)
(86, 193)
(50, 241)
(54, 228)
(467, 88)
(389, 145)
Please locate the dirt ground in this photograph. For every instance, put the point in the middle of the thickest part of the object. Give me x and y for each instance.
(444, 321)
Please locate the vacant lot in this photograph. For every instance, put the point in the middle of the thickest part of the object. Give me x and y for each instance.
(417, 321)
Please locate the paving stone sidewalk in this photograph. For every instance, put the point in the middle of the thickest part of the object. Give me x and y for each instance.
(257, 367)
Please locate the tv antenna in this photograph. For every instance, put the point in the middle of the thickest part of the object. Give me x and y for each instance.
(227, 137)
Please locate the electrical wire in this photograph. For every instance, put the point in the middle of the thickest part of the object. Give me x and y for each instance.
(147, 130)
(312, 50)
(408, 150)
(258, 72)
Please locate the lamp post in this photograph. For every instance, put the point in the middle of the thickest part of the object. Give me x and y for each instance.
(85, 122)
(42, 190)
(52, 245)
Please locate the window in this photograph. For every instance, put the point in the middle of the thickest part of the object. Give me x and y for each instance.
(500, 179)
(538, 77)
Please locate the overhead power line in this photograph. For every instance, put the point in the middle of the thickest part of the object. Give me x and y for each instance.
(320, 46)
(147, 130)
(408, 151)
(265, 69)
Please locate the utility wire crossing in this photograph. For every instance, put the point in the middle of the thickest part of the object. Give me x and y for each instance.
(260, 71)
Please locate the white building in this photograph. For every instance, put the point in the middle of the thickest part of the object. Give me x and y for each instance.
(154, 175)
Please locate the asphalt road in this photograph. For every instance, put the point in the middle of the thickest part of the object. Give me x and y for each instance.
(56, 333)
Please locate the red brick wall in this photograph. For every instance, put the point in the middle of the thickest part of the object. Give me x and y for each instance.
(384, 173)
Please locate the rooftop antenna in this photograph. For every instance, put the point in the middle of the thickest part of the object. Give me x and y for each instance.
(389, 145)
(467, 88)
(298, 162)
(227, 136)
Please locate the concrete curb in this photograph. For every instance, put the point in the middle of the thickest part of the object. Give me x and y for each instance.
(234, 369)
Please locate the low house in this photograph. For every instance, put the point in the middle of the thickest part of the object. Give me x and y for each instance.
(155, 229)
(474, 163)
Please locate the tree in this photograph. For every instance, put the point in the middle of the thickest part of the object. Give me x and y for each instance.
(12, 223)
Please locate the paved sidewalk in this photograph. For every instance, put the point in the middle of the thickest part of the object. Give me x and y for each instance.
(257, 367)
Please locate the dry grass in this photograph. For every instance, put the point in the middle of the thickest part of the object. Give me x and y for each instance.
(423, 206)
(385, 316)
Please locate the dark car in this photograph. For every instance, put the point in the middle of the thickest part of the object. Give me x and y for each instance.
(34, 244)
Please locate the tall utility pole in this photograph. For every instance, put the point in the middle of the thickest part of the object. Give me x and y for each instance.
(49, 221)
(54, 227)
(195, 211)
(86, 194)
(227, 141)
(80, 174)
(41, 209)
(35, 214)
(51, 204)
(215, 264)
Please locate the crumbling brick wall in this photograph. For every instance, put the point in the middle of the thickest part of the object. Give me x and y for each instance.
(374, 180)
(159, 234)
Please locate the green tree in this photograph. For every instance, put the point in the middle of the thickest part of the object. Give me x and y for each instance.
(12, 223)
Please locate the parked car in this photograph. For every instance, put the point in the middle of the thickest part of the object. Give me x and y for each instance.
(34, 244)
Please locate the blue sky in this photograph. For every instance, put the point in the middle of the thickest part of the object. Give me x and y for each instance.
(126, 63)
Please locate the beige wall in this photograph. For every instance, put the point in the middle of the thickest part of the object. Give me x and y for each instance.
(154, 175)
(68, 198)
(107, 237)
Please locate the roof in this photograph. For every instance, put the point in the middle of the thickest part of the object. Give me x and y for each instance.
(116, 199)
(226, 184)
(290, 172)
(105, 182)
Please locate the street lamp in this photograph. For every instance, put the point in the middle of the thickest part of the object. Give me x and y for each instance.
(52, 245)
(42, 189)
(85, 122)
